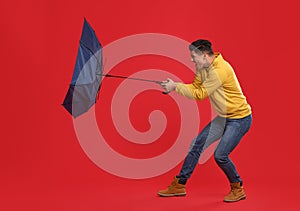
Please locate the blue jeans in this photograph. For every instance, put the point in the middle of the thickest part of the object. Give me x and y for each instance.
(230, 133)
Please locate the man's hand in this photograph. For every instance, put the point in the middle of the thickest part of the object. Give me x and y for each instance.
(169, 85)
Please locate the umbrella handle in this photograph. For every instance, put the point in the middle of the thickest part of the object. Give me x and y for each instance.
(164, 92)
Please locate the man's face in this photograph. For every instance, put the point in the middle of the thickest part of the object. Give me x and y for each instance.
(199, 59)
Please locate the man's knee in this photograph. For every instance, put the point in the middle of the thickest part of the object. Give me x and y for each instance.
(221, 158)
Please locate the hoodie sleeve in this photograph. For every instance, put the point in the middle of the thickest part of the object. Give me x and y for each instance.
(198, 90)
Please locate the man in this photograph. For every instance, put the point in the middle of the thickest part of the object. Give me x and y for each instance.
(216, 80)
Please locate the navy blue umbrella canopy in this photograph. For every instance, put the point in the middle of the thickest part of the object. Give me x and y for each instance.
(87, 75)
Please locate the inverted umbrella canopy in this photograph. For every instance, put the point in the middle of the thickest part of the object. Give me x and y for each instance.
(87, 75)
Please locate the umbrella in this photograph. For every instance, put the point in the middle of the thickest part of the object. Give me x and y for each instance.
(87, 75)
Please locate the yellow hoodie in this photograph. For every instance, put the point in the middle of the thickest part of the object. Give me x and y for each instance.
(220, 84)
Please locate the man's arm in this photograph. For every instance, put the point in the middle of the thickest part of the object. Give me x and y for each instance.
(197, 90)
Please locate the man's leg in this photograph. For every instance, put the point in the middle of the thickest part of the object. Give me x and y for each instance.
(235, 129)
(212, 132)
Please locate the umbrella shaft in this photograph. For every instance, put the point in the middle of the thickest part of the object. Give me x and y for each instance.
(126, 77)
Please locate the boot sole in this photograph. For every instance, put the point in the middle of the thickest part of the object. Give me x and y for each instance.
(241, 198)
(170, 195)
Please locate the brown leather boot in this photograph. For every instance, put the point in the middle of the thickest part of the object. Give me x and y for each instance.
(236, 193)
(175, 189)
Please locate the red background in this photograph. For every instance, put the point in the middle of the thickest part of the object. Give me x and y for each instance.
(44, 168)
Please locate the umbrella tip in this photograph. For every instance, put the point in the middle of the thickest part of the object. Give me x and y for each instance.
(85, 21)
